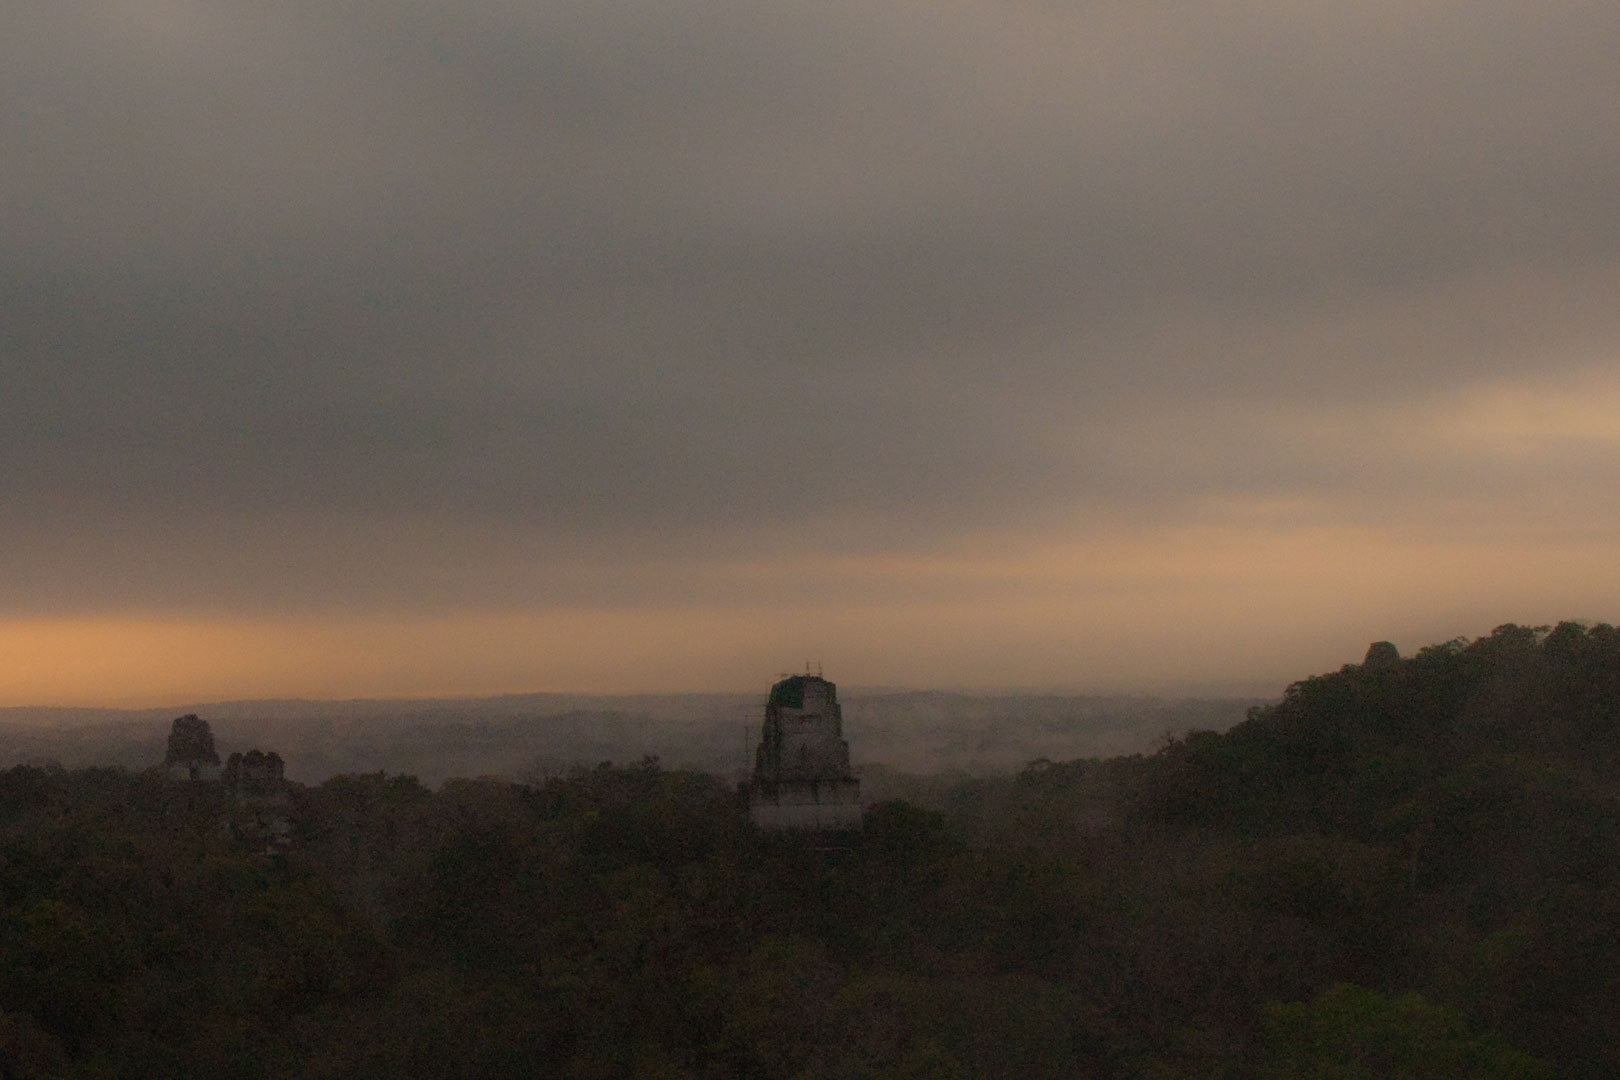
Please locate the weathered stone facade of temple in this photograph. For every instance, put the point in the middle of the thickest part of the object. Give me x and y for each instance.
(802, 777)
(255, 773)
(191, 754)
(257, 782)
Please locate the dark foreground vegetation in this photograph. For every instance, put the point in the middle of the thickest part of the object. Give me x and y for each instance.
(1407, 868)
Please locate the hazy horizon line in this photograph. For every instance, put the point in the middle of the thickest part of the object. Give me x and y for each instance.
(1175, 690)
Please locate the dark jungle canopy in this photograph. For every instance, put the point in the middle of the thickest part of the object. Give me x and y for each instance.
(1406, 868)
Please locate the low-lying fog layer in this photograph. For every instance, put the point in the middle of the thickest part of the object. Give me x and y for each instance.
(531, 736)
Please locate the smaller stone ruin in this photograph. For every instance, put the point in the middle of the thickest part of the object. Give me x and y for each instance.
(261, 800)
(191, 755)
(258, 810)
(255, 773)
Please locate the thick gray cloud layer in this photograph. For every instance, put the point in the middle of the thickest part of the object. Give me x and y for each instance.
(417, 302)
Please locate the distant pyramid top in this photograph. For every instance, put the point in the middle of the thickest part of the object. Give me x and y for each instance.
(793, 691)
(191, 742)
(802, 740)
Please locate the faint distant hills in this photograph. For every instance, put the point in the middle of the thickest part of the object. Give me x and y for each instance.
(530, 735)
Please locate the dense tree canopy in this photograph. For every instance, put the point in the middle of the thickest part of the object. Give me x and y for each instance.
(1405, 868)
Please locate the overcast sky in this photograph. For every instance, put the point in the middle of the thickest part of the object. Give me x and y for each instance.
(418, 347)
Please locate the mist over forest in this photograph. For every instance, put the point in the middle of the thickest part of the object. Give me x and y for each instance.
(533, 736)
(1404, 869)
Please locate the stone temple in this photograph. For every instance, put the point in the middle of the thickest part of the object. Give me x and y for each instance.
(191, 754)
(802, 778)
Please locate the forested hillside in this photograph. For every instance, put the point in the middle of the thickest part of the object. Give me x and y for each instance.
(1407, 868)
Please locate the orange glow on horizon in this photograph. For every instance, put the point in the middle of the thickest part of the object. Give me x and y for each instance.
(1258, 606)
